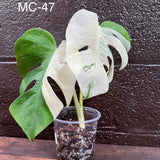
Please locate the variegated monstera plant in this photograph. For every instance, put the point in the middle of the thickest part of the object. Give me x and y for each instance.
(38, 58)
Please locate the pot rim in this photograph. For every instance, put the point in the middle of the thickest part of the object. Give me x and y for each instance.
(82, 122)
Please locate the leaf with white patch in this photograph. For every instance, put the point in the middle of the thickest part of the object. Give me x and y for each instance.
(59, 71)
(33, 51)
(112, 28)
(90, 73)
(88, 66)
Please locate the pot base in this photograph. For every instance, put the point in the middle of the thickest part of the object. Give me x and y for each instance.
(75, 143)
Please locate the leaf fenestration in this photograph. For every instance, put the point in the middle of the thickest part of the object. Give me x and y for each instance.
(84, 30)
(30, 111)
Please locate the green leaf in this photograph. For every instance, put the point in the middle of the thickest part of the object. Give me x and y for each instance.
(34, 47)
(112, 28)
(117, 27)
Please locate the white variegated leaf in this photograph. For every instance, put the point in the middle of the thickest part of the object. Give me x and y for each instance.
(59, 71)
(104, 54)
(84, 30)
(90, 73)
(124, 41)
(81, 31)
(69, 63)
(116, 43)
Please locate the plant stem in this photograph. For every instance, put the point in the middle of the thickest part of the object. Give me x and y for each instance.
(79, 110)
(81, 100)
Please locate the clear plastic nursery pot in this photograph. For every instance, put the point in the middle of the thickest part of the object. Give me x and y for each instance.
(75, 139)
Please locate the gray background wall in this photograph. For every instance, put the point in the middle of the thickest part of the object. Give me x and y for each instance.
(131, 108)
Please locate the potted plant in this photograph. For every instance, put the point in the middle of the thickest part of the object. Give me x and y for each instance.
(80, 58)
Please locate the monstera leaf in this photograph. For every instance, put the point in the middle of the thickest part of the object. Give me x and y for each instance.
(82, 57)
(59, 71)
(88, 65)
(33, 51)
